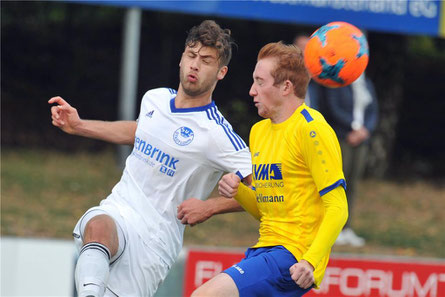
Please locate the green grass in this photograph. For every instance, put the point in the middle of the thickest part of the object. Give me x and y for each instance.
(43, 193)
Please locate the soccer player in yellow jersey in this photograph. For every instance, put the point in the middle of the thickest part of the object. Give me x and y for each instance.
(298, 187)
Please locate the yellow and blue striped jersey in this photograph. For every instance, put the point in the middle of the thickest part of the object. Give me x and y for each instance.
(294, 163)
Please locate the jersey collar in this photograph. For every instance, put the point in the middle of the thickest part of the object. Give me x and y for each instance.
(191, 109)
(291, 118)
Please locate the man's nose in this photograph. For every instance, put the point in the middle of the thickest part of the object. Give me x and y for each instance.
(252, 91)
(194, 64)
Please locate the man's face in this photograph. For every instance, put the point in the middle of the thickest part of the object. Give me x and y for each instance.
(200, 70)
(265, 95)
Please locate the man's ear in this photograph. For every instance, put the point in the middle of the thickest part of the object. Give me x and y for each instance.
(180, 61)
(222, 72)
(287, 87)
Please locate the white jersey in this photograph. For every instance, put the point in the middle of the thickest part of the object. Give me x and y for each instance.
(177, 154)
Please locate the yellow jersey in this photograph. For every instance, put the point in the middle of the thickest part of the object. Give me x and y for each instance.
(294, 163)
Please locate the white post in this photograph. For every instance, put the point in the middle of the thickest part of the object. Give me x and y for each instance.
(129, 72)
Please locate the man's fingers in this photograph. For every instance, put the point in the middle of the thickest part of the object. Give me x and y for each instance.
(55, 111)
(57, 99)
(180, 212)
(295, 273)
(65, 107)
(227, 192)
(306, 282)
(225, 188)
(235, 178)
(302, 277)
(228, 185)
(56, 124)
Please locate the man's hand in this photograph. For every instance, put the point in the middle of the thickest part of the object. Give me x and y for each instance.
(64, 115)
(228, 185)
(356, 137)
(193, 211)
(303, 274)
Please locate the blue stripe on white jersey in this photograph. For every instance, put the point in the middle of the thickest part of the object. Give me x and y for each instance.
(238, 139)
(172, 91)
(237, 142)
(233, 134)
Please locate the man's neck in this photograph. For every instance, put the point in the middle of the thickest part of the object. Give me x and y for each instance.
(183, 100)
(286, 111)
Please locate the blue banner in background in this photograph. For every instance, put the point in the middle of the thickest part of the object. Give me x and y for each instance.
(418, 17)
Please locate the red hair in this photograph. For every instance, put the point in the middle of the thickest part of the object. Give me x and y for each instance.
(289, 66)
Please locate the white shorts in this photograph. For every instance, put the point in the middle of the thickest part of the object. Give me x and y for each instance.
(136, 270)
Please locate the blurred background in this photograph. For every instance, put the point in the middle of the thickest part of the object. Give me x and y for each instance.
(75, 49)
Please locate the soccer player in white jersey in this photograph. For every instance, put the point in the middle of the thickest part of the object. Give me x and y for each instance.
(181, 146)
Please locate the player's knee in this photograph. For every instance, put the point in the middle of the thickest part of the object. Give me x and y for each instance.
(102, 229)
(220, 286)
(203, 291)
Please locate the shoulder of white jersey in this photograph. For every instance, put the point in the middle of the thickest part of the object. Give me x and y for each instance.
(222, 129)
(159, 94)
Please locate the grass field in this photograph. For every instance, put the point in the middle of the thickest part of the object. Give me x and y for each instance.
(44, 193)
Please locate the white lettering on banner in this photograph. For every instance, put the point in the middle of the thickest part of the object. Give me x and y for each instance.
(417, 8)
(389, 285)
(205, 270)
(360, 282)
(423, 8)
(376, 280)
(397, 7)
(352, 273)
(430, 285)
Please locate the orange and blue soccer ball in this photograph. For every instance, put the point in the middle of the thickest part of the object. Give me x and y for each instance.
(336, 54)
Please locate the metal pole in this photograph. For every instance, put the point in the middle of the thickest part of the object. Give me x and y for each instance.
(129, 73)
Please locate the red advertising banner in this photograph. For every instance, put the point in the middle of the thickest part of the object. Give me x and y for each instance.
(202, 265)
(383, 278)
(344, 277)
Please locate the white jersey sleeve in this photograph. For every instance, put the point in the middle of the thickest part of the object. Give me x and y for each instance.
(227, 150)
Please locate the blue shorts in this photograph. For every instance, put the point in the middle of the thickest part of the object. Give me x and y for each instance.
(265, 272)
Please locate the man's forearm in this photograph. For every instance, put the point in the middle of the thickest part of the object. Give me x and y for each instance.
(119, 132)
(219, 205)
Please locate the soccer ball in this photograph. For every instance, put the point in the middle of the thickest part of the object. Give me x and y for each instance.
(336, 54)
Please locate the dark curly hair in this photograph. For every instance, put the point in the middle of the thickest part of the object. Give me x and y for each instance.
(210, 34)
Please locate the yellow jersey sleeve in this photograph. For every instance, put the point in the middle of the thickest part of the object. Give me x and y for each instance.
(336, 214)
(321, 152)
(247, 199)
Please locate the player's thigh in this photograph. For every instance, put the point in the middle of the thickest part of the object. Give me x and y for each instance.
(99, 224)
(221, 285)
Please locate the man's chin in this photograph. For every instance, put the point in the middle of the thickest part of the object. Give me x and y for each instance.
(193, 93)
(262, 114)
